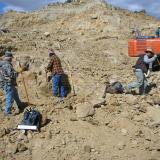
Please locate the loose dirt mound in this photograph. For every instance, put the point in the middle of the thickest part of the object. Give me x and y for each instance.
(93, 37)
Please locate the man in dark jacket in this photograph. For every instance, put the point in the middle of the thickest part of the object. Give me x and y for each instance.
(55, 68)
(158, 32)
(8, 83)
(143, 68)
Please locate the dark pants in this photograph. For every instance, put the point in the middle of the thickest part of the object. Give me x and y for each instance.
(59, 88)
(11, 94)
(141, 82)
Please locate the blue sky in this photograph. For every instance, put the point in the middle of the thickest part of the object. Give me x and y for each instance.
(2, 5)
(151, 6)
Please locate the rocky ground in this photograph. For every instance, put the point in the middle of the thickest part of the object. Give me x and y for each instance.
(91, 38)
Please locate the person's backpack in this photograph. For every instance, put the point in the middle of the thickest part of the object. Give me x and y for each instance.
(32, 117)
(115, 87)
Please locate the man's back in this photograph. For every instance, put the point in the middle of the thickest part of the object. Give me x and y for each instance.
(55, 65)
(140, 64)
(7, 73)
(158, 32)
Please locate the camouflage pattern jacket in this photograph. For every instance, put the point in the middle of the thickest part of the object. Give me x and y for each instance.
(7, 74)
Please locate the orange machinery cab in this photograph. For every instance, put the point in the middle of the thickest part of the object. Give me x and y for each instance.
(136, 47)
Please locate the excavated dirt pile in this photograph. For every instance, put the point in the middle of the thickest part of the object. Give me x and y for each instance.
(90, 37)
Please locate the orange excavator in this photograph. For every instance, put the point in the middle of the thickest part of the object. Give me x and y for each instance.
(136, 47)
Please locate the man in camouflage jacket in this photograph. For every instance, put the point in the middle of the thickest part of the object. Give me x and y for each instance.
(8, 83)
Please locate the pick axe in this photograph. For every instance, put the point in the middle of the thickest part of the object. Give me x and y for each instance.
(70, 75)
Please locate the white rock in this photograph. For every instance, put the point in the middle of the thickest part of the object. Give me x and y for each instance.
(47, 34)
(124, 132)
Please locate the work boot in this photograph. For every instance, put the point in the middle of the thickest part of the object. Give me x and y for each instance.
(127, 90)
(8, 114)
(60, 100)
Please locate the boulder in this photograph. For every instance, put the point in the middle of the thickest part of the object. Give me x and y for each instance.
(156, 100)
(154, 113)
(47, 34)
(73, 119)
(84, 110)
(98, 102)
(87, 148)
(94, 17)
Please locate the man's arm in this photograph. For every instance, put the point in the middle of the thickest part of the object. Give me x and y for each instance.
(149, 60)
(50, 65)
(10, 74)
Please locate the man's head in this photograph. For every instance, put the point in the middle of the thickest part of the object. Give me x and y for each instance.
(8, 56)
(51, 52)
(149, 52)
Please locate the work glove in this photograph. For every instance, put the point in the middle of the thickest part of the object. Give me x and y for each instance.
(46, 70)
(147, 74)
(155, 56)
(49, 78)
(19, 69)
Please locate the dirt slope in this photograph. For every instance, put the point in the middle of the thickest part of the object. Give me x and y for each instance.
(93, 37)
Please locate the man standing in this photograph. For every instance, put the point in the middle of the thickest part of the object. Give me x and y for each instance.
(158, 32)
(143, 68)
(8, 83)
(55, 68)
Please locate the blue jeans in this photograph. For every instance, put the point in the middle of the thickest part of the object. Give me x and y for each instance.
(58, 86)
(141, 82)
(11, 94)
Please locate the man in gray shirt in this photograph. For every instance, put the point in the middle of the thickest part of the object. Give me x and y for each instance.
(143, 68)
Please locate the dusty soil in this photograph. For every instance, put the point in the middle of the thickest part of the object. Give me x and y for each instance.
(93, 37)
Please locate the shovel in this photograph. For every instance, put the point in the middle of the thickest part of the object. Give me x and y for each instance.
(25, 88)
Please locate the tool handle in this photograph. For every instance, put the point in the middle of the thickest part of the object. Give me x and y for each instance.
(69, 69)
(25, 88)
